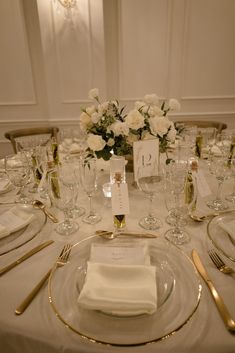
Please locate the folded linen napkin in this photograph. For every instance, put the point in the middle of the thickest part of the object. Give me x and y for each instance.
(229, 227)
(124, 290)
(13, 220)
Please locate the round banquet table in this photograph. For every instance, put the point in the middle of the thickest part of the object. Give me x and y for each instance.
(39, 330)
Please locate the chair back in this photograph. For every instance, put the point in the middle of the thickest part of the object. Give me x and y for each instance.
(45, 132)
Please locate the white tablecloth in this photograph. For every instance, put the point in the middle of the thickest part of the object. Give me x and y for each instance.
(38, 330)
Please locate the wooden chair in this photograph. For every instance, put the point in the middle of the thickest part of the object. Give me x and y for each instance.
(13, 135)
(204, 124)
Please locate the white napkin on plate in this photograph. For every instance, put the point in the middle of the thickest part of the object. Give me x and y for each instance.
(14, 219)
(120, 280)
(123, 290)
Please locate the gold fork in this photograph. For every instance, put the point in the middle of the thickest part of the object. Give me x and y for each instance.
(61, 261)
(219, 263)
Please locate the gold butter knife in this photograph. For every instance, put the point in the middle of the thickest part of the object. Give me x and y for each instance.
(25, 256)
(229, 322)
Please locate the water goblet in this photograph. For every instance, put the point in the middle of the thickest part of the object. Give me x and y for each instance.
(61, 195)
(88, 177)
(177, 177)
(18, 172)
(151, 186)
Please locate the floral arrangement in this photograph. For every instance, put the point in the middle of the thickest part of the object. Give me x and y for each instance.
(109, 130)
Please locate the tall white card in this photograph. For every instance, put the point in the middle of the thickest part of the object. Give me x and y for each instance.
(146, 157)
(120, 199)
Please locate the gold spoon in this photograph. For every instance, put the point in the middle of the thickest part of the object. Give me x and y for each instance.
(111, 235)
(39, 204)
(202, 218)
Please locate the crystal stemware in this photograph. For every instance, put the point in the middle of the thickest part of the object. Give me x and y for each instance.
(61, 194)
(221, 170)
(88, 177)
(151, 186)
(177, 176)
(18, 171)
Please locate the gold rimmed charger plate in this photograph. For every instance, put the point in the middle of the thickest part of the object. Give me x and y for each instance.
(178, 302)
(25, 234)
(219, 237)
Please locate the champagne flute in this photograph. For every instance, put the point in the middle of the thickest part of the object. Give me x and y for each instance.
(151, 186)
(177, 176)
(61, 194)
(88, 175)
(18, 172)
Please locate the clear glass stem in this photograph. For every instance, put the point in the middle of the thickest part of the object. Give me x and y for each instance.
(67, 222)
(219, 189)
(151, 207)
(91, 211)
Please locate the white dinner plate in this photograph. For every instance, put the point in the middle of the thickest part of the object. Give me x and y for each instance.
(178, 286)
(22, 236)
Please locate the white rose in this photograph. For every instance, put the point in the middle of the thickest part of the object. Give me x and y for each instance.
(159, 125)
(93, 93)
(110, 142)
(151, 99)
(85, 121)
(95, 142)
(102, 108)
(155, 110)
(90, 110)
(119, 128)
(134, 120)
(139, 104)
(174, 104)
(95, 117)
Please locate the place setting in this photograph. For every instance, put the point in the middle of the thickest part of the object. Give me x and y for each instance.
(109, 291)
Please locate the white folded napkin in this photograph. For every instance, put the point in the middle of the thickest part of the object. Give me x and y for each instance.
(124, 290)
(229, 227)
(14, 219)
(120, 279)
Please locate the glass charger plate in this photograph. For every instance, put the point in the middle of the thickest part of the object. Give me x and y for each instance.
(25, 234)
(220, 238)
(179, 292)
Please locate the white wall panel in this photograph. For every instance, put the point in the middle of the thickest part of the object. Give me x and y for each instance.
(143, 47)
(209, 50)
(16, 83)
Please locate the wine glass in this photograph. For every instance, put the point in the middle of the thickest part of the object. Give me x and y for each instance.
(88, 177)
(61, 194)
(151, 186)
(18, 172)
(69, 174)
(177, 176)
(220, 168)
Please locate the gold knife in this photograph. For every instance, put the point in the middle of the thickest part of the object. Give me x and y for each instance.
(25, 256)
(229, 322)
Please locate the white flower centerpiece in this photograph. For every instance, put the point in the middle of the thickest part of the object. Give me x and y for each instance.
(109, 131)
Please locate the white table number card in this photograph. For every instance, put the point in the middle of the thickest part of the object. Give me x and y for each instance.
(146, 157)
(120, 199)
